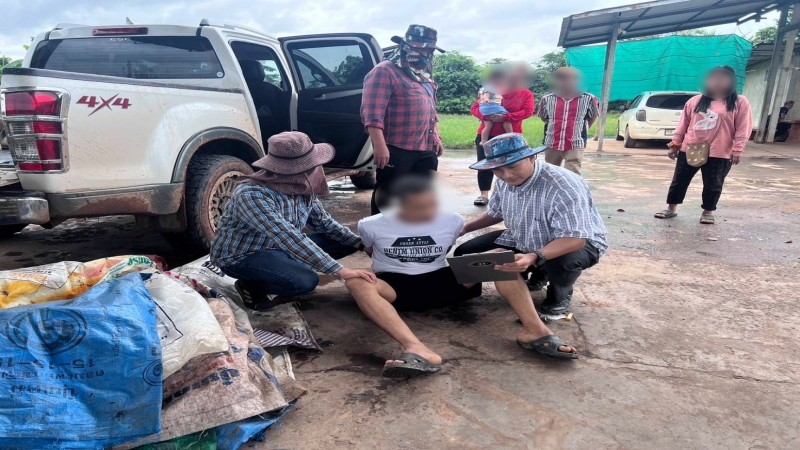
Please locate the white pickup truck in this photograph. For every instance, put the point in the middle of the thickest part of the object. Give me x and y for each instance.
(158, 121)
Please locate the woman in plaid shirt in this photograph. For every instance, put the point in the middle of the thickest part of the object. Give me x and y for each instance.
(399, 111)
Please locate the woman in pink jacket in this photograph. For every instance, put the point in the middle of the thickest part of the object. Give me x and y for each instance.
(720, 121)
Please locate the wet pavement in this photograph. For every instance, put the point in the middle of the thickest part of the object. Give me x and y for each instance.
(688, 333)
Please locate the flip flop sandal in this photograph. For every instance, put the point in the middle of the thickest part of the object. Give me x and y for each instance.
(412, 366)
(481, 201)
(665, 214)
(548, 346)
(707, 219)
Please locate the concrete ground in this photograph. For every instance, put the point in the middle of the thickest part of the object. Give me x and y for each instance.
(688, 333)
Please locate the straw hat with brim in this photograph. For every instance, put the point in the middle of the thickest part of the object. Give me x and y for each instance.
(504, 150)
(419, 36)
(292, 152)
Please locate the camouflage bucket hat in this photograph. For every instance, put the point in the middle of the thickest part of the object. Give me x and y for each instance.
(419, 36)
(505, 150)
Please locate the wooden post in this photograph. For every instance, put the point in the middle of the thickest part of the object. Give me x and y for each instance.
(605, 95)
(769, 93)
(784, 75)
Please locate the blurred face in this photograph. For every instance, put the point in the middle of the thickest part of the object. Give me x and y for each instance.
(719, 84)
(422, 207)
(419, 58)
(517, 173)
(566, 83)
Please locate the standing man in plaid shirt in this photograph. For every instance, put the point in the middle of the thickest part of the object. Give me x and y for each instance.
(568, 114)
(399, 111)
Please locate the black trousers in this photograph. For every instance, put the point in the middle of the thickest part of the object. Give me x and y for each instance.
(714, 173)
(401, 162)
(561, 272)
(485, 177)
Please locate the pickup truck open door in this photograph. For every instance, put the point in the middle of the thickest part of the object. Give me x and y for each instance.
(329, 71)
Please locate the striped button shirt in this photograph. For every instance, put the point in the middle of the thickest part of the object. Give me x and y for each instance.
(554, 203)
(258, 218)
(567, 127)
(403, 108)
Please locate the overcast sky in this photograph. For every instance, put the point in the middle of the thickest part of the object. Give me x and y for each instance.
(484, 29)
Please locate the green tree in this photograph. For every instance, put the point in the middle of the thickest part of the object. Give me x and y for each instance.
(459, 79)
(351, 68)
(4, 60)
(552, 61)
(765, 36)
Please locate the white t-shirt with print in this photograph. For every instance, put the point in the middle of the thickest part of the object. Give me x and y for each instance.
(410, 248)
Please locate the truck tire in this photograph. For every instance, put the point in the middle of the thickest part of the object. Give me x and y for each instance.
(210, 181)
(6, 231)
(364, 180)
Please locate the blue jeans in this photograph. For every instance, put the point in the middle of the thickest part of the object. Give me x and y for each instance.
(274, 272)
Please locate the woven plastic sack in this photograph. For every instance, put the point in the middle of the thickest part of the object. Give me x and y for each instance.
(84, 373)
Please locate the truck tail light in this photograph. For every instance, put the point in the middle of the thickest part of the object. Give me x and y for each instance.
(35, 128)
(32, 103)
(641, 115)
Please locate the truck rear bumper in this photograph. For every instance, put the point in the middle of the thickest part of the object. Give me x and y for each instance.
(24, 209)
(32, 207)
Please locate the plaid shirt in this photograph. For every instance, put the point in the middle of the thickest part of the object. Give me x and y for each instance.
(555, 203)
(258, 218)
(401, 107)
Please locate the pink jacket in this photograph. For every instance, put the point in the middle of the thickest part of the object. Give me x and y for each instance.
(726, 131)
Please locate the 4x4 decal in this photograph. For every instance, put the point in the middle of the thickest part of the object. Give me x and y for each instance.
(91, 102)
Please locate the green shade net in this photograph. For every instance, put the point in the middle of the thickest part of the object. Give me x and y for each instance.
(675, 63)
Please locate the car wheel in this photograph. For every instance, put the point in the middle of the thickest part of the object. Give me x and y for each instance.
(629, 141)
(364, 180)
(210, 182)
(7, 231)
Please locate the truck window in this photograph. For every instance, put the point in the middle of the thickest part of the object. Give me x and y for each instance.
(140, 57)
(325, 64)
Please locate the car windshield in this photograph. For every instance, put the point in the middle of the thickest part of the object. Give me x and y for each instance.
(668, 101)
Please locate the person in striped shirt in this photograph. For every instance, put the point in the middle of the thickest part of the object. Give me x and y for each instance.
(568, 114)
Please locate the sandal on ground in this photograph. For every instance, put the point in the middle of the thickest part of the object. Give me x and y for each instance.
(665, 214)
(548, 346)
(411, 366)
(481, 201)
(707, 219)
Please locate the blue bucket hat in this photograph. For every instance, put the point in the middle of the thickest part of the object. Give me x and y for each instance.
(504, 150)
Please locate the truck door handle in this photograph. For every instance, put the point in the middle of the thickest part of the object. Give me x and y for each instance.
(340, 94)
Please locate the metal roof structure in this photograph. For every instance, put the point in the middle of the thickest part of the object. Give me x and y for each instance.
(763, 52)
(657, 17)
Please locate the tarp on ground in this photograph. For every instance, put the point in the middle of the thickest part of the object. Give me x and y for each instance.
(675, 63)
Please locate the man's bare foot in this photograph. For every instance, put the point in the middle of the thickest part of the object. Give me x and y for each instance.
(421, 350)
(526, 337)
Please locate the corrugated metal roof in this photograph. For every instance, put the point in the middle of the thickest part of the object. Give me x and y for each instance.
(657, 17)
(763, 53)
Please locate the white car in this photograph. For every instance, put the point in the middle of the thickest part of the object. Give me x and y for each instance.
(159, 121)
(652, 116)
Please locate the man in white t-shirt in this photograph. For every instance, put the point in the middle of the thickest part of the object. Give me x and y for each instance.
(408, 249)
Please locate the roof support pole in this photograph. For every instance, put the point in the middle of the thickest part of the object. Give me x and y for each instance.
(605, 95)
(783, 76)
(769, 92)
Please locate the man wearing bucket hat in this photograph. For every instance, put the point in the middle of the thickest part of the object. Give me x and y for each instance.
(551, 223)
(398, 110)
(260, 239)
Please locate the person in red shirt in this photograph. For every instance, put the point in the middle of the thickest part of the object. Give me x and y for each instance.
(520, 104)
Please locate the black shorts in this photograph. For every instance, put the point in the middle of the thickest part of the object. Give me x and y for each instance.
(430, 290)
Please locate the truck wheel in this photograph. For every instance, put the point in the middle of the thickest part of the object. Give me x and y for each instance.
(210, 181)
(363, 180)
(7, 231)
(629, 141)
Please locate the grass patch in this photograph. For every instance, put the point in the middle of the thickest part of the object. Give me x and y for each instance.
(459, 130)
